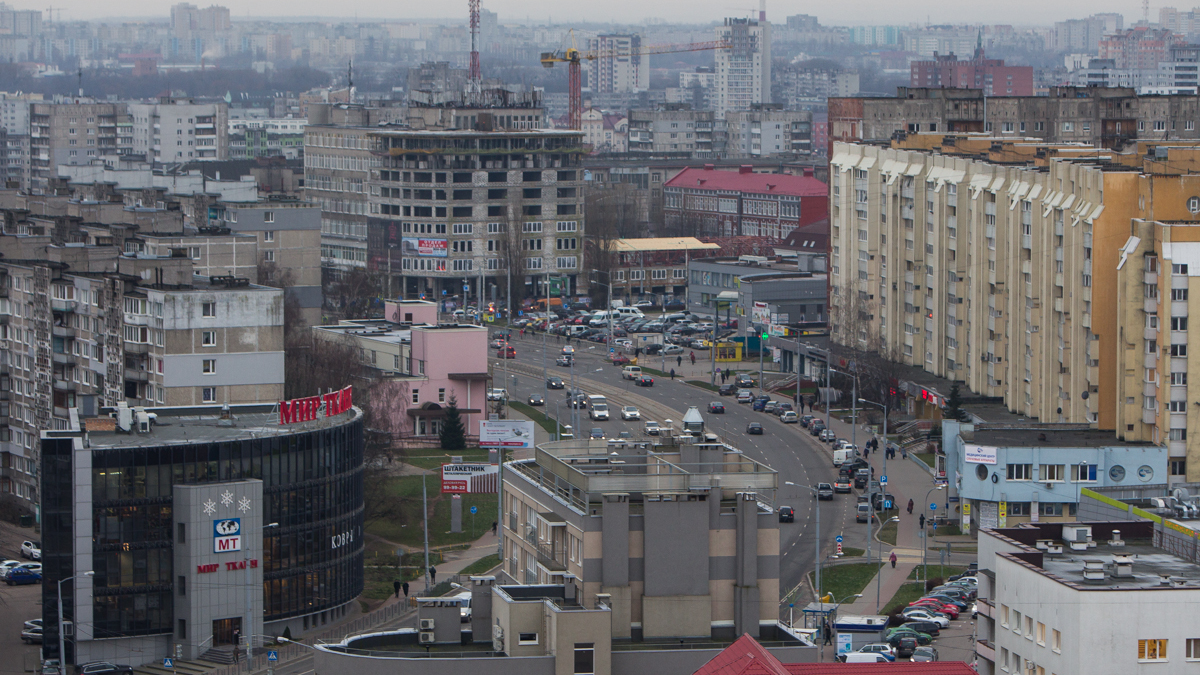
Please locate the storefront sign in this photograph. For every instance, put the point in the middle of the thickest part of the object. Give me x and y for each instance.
(979, 454)
(227, 535)
(469, 478)
(213, 567)
(427, 248)
(308, 409)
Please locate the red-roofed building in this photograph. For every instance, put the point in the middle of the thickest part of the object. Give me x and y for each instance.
(747, 657)
(712, 203)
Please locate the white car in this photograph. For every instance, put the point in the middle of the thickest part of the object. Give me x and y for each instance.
(8, 565)
(879, 648)
(643, 303)
(630, 413)
(31, 550)
(497, 394)
(915, 614)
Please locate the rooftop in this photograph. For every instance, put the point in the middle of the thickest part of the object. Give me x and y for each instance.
(709, 178)
(663, 244)
(1149, 564)
(181, 426)
(1049, 436)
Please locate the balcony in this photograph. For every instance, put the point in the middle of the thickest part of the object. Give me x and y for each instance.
(1149, 416)
(1150, 305)
(1027, 241)
(985, 607)
(137, 348)
(1150, 389)
(551, 556)
(137, 375)
(1150, 278)
(64, 359)
(65, 385)
(58, 305)
(985, 650)
(62, 331)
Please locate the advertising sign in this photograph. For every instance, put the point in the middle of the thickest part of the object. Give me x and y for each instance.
(845, 643)
(760, 313)
(979, 454)
(227, 535)
(505, 434)
(463, 479)
(429, 248)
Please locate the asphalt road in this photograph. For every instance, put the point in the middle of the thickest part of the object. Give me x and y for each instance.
(787, 448)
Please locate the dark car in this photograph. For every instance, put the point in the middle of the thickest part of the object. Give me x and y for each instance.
(897, 635)
(754, 428)
(744, 381)
(652, 349)
(825, 491)
(554, 383)
(597, 433)
(783, 407)
(104, 668)
(928, 627)
(924, 654)
(787, 514)
(906, 646)
(20, 576)
(879, 500)
(727, 390)
(816, 427)
(644, 381)
(536, 399)
(759, 403)
(861, 477)
(805, 420)
(716, 407)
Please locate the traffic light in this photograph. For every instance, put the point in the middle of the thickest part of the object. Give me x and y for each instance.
(764, 336)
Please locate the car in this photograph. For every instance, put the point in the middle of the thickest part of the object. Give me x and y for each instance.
(597, 433)
(905, 647)
(727, 390)
(921, 614)
(755, 429)
(31, 550)
(932, 605)
(783, 407)
(805, 420)
(643, 303)
(651, 428)
(32, 636)
(770, 406)
(625, 436)
(931, 628)
(825, 491)
(33, 623)
(789, 417)
(506, 353)
(497, 344)
(630, 413)
(103, 668)
(895, 634)
(787, 514)
(744, 381)
(23, 575)
(620, 360)
(672, 350)
(554, 382)
(842, 485)
(879, 648)
(497, 394)
(8, 565)
(758, 403)
(744, 396)
(827, 435)
(716, 407)
(924, 654)
(537, 399)
(644, 381)
(564, 361)
(816, 427)
(653, 349)
(880, 500)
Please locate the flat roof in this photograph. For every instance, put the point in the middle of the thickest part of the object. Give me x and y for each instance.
(1050, 437)
(664, 244)
(203, 424)
(1150, 565)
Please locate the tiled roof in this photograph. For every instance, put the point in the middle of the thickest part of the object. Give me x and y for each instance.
(744, 657)
(761, 183)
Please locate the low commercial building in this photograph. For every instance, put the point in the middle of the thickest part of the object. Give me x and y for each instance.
(655, 268)
(175, 534)
(769, 291)
(1003, 476)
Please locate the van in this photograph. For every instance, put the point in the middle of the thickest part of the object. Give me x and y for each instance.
(868, 657)
(863, 513)
(597, 399)
(844, 455)
(631, 372)
(628, 313)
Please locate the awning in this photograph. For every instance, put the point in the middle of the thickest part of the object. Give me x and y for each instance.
(978, 183)
(996, 185)
(913, 169)
(438, 413)
(866, 163)
(1130, 246)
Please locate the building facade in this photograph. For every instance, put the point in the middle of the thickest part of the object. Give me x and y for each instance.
(978, 72)
(195, 527)
(744, 69)
(655, 268)
(180, 130)
(710, 202)
(620, 66)
(672, 128)
(767, 130)
(75, 133)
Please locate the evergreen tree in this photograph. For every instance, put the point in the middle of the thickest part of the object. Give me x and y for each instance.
(954, 409)
(453, 435)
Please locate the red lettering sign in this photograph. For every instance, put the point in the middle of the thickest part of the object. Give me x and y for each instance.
(306, 409)
(205, 569)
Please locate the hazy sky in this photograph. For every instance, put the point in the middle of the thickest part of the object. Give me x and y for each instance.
(845, 12)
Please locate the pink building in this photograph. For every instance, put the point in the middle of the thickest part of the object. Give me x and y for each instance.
(420, 366)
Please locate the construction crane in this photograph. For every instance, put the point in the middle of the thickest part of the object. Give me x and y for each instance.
(574, 58)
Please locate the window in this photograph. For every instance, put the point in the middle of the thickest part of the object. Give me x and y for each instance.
(416, 395)
(1051, 472)
(1192, 652)
(1083, 472)
(1152, 650)
(1041, 634)
(527, 638)
(209, 394)
(1177, 406)
(1177, 435)
(1004, 615)
(1179, 378)
(269, 235)
(1056, 640)
(585, 658)
(1016, 623)
(268, 216)
(1004, 659)
(269, 256)
(441, 395)
(208, 309)
(1179, 323)
(208, 366)
(1179, 294)
(1020, 471)
(208, 338)
(1179, 269)
(1179, 350)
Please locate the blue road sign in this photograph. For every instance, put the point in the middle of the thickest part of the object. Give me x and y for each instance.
(272, 655)
(887, 504)
(883, 480)
(168, 663)
(474, 510)
(933, 506)
(838, 539)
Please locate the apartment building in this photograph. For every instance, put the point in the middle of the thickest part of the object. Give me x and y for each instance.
(1139, 47)
(990, 75)
(744, 69)
(694, 553)
(672, 128)
(75, 133)
(14, 158)
(766, 130)
(711, 202)
(605, 132)
(177, 130)
(620, 67)
(448, 203)
(1084, 35)
(249, 138)
(655, 268)
(976, 259)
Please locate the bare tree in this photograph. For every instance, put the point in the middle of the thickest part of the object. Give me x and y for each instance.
(858, 346)
(356, 294)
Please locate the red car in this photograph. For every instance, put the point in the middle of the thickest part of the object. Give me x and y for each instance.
(506, 353)
(620, 360)
(929, 603)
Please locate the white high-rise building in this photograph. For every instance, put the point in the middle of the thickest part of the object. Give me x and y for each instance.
(743, 70)
(617, 70)
(180, 130)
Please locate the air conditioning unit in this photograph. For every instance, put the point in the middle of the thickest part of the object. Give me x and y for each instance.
(427, 624)
(425, 637)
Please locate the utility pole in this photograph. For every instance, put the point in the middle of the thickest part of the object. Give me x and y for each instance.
(425, 520)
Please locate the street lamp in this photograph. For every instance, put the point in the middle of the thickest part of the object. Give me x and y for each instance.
(817, 539)
(925, 543)
(62, 648)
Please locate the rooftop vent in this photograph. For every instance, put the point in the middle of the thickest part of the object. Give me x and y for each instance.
(1093, 571)
(1122, 567)
(1116, 540)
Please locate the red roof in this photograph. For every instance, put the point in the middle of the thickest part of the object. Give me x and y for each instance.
(744, 657)
(747, 657)
(745, 181)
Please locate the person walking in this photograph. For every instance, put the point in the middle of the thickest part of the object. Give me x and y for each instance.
(404, 587)
(432, 574)
(693, 357)
(910, 507)
(672, 373)
(892, 559)
(493, 527)
(396, 587)
(679, 360)
(922, 522)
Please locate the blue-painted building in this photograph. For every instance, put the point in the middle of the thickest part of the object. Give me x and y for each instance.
(1002, 475)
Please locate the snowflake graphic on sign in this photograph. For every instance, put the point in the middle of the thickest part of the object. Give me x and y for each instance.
(210, 507)
(244, 504)
(227, 498)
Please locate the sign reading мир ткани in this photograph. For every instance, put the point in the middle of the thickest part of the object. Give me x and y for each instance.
(307, 409)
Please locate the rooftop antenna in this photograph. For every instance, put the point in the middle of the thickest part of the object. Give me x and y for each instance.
(474, 73)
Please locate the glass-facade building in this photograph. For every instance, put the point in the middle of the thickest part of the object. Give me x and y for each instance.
(312, 492)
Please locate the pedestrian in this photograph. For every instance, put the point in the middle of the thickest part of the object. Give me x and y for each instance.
(404, 587)
(904, 453)
(679, 360)
(722, 377)
(866, 450)
(692, 355)
(396, 587)
(922, 524)
(892, 558)
(910, 507)
(237, 642)
(672, 373)
(493, 527)
(432, 574)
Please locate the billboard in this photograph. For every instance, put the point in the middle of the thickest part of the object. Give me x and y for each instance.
(760, 313)
(979, 454)
(429, 248)
(465, 479)
(505, 434)
(227, 535)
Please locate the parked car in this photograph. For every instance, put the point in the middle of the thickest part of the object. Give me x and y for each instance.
(744, 381)
(644, 381)
(770, 406)
(879, 648)
(805, 420)
(103, 668)
(32, 636)
(630, 413)
(816, 427)
(536, 399)
(716, 407)
(672, 350)
(23, 575)
(755, 429)
(931, 628)
(8, 565)
(497, 394)
(651, 428)
(783, 407)
(620, 360)
(787, 514)
(554, 382)
(825, 491)
(31, 550)
(896, 634)
(827, 435)
(744, 396)
(789, 417)
(906, 646)
(33, 623)
(924, 654)
(912, 614)
(727, 390)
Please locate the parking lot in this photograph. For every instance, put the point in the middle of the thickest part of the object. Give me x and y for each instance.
(20, 603)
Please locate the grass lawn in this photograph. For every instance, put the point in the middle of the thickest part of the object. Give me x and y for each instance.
(888, 532)
(942, 571)
(703, 385)
(482, 565)
(907, 593)
(537, 414)
(851, 552)
(407, 528)
(926, 457)
(430, 458)
(843, 580)
(378, 579)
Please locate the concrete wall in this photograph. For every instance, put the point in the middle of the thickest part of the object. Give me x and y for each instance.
(333, 663)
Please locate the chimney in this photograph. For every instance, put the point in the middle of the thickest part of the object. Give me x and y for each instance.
(745, 168)
(708, 167)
